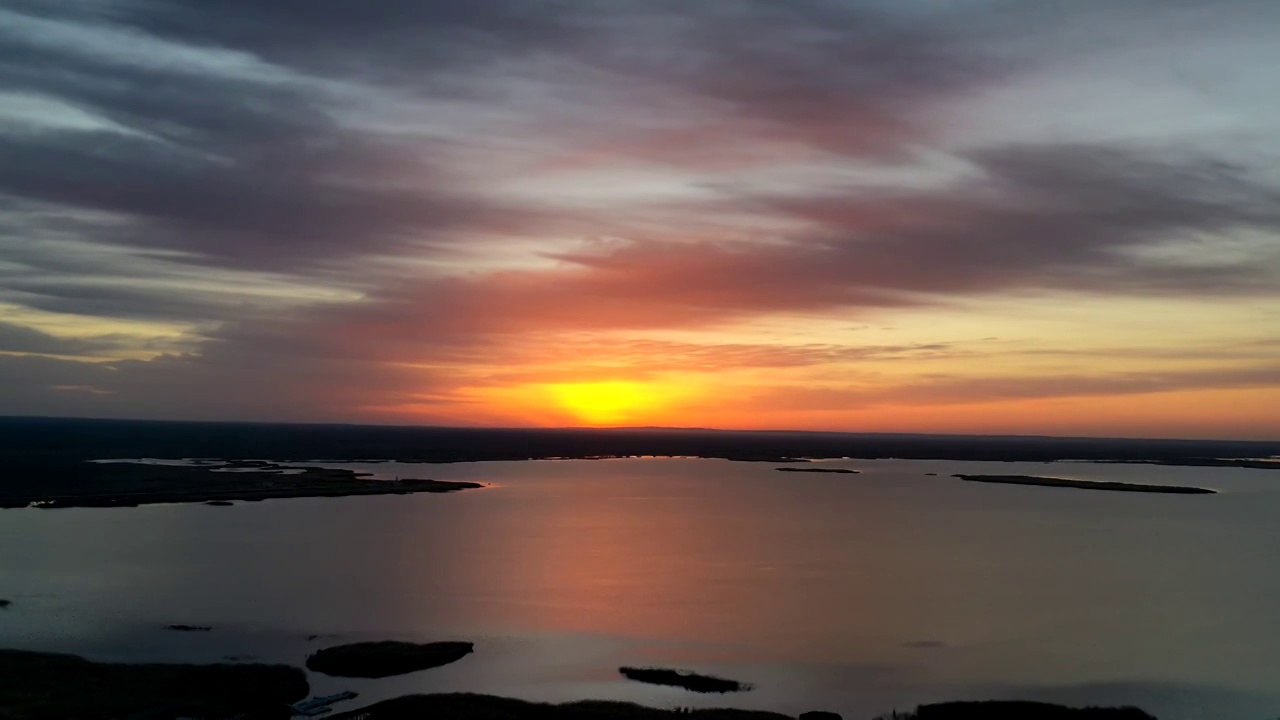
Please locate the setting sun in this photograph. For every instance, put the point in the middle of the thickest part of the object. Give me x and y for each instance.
(606, 403)
(603, 403)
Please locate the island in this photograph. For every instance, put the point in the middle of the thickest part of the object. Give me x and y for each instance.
(129, 484)
(687, 680)
(190, 628)
(1085, 484)
(5, 603)
(48, 685)
(1247, 463)
(841, 471)
(387, 658)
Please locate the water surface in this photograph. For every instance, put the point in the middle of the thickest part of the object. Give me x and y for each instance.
(855, 593)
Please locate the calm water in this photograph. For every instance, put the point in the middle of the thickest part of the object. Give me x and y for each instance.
(855, 593)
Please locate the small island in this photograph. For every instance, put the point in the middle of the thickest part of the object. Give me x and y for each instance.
(841, 471)
(387, 658)
(189, 628)
(686, 680)
(1085, 484)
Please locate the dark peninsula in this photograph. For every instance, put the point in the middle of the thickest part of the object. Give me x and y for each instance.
(686, 680)
(1085, 484)
(44, 686)
(384, 659)
(841, 471)
(129, 484)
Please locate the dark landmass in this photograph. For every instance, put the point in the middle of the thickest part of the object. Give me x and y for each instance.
(58, 442)
(189, 628)
(1250, 463)
(5, 603)
(45, 459)
(1085, 484)
(488, 707)
(384, 659)
(128, 484)
(220, 503)
(1017, 710)
(932, 474)
(841, 471)
(462, 706)
(686, 680)
(40, 686)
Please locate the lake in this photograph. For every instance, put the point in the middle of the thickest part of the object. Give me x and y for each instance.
(854, 593)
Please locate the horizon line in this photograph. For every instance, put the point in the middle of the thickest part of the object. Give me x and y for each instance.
(625, 428)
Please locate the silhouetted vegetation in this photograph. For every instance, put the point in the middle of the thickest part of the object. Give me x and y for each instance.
(1250, 463)
(48, 686)
(1016, 710)
(1085, 484)
(56, 448)
(686, 680)
(487, 707)
(383, 659)
(131, 484)
(841, 471)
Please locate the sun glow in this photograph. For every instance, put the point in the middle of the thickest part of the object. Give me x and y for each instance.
(607, 403)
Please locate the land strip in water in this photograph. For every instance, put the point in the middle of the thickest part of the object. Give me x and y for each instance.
(1085, 484)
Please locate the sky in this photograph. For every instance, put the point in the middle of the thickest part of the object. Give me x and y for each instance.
(961, 216)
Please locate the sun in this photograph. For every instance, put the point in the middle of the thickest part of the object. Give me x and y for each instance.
(605, 403)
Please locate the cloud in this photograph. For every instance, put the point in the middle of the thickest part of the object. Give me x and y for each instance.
(1038, 219)
(346, 207)
(22, 339)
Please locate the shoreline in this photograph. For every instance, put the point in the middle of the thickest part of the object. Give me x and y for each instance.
(129, 484)
(46, 685)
